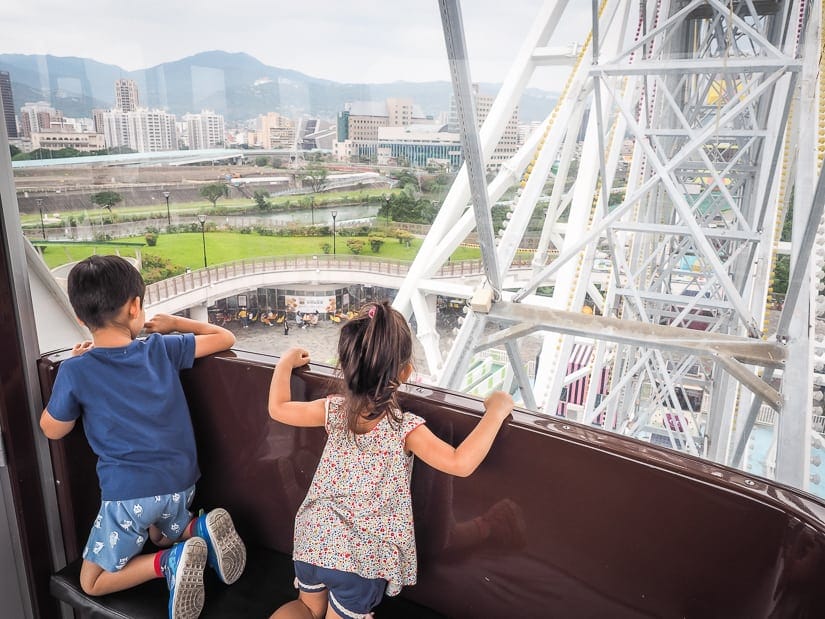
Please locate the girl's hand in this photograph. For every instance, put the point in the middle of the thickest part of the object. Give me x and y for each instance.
(160, 323)
(295, 357)
(499, 404)
(79, 349)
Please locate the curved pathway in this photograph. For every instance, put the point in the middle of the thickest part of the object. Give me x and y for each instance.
(204, 286)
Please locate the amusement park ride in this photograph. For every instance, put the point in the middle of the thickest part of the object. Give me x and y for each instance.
(703, 124)
(685, 133)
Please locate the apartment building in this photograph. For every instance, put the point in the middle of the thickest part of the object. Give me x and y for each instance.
(37, 117)
(275, 131)
(141, 130)
(126, 95)
(205, 130)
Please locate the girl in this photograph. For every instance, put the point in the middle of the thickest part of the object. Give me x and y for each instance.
(354, 531)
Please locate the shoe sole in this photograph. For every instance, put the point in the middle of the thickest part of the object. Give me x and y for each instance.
(188, 597)
(230, 552)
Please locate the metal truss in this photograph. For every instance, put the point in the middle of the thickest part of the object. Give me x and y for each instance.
(697, 118)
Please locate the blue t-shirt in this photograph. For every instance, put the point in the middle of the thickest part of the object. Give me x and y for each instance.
(134, 414)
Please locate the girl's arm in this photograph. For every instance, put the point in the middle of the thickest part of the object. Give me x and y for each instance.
(465, 458)
(281, 406)
(209, 338)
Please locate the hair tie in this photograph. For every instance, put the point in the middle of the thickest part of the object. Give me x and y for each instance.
(371, 312)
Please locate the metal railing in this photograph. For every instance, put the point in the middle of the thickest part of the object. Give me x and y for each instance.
(201, 278)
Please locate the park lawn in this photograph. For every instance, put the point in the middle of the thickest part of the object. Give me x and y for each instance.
(186, 249)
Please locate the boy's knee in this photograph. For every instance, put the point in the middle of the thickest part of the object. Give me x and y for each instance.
(89, 574)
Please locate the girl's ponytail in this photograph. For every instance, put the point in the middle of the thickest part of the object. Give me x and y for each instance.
(373, 349)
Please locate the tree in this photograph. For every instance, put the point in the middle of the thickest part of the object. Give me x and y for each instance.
(14, 150)
(316, 176)
(261, 161)
(261, 200)
(214, 192)
(106, 199)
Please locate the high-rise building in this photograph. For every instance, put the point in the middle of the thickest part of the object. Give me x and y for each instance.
(275, 131)
(205, 130)
(37, 117)
(126, 95)
(141, 130)
(7, 98)
(509, 142)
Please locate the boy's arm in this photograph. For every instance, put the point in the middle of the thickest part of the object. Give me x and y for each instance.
(281, 406)
(209, 338)
(53, 428)
(465, 458)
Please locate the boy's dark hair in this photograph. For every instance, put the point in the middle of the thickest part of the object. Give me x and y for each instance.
(100, 285)
(372, 350)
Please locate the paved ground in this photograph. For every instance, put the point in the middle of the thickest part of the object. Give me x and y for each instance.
(321, 341)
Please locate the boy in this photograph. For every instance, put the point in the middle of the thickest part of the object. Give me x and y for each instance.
(129, 396)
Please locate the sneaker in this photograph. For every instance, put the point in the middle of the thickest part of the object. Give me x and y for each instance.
(227, 553)
(183, 566)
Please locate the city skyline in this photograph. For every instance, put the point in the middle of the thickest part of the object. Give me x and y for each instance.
(358, 42)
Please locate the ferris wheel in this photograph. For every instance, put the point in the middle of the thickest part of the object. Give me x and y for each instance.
(660, 182)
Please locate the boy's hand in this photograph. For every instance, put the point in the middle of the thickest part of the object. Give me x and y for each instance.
(295, 357)
(79, 349)
(499, 404)
(160, 323)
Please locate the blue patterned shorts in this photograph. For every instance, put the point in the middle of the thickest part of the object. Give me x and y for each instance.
(122, 527)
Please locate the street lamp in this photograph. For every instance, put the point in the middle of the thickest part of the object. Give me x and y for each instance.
(42, 225)
(387, 204)
(168, 216)
(202, 220)
(334, 215)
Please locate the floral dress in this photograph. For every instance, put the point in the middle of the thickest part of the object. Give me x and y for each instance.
(357, 515)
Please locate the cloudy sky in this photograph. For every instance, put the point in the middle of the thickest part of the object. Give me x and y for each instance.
(341, 40)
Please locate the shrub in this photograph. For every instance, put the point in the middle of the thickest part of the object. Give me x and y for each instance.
(151, 239)
(356, 246)
(326, 248)
(156, 268)
(376, 243)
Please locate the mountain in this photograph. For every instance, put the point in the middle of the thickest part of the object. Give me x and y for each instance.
(233, 84)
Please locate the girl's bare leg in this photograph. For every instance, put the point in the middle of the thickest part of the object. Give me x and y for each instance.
(307, 606)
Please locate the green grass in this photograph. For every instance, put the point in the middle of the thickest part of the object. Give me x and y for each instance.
(186, 249)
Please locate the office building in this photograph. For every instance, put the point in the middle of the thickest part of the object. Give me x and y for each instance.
(7, 98)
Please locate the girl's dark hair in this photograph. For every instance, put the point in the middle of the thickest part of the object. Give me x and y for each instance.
(100, 285)
(373, 349)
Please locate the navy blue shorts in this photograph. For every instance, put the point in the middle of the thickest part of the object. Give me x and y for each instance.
(350, 595)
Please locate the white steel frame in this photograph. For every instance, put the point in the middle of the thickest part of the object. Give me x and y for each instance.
(706, 97)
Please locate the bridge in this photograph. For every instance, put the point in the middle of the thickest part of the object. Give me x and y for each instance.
(198, 289)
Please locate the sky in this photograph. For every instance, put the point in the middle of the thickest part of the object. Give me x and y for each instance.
(360, 41)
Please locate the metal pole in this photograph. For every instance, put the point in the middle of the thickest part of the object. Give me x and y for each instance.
(470, 143)
(202, 220)
(168, 215)
(388, 211)
(42, 225)
(334, 215)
